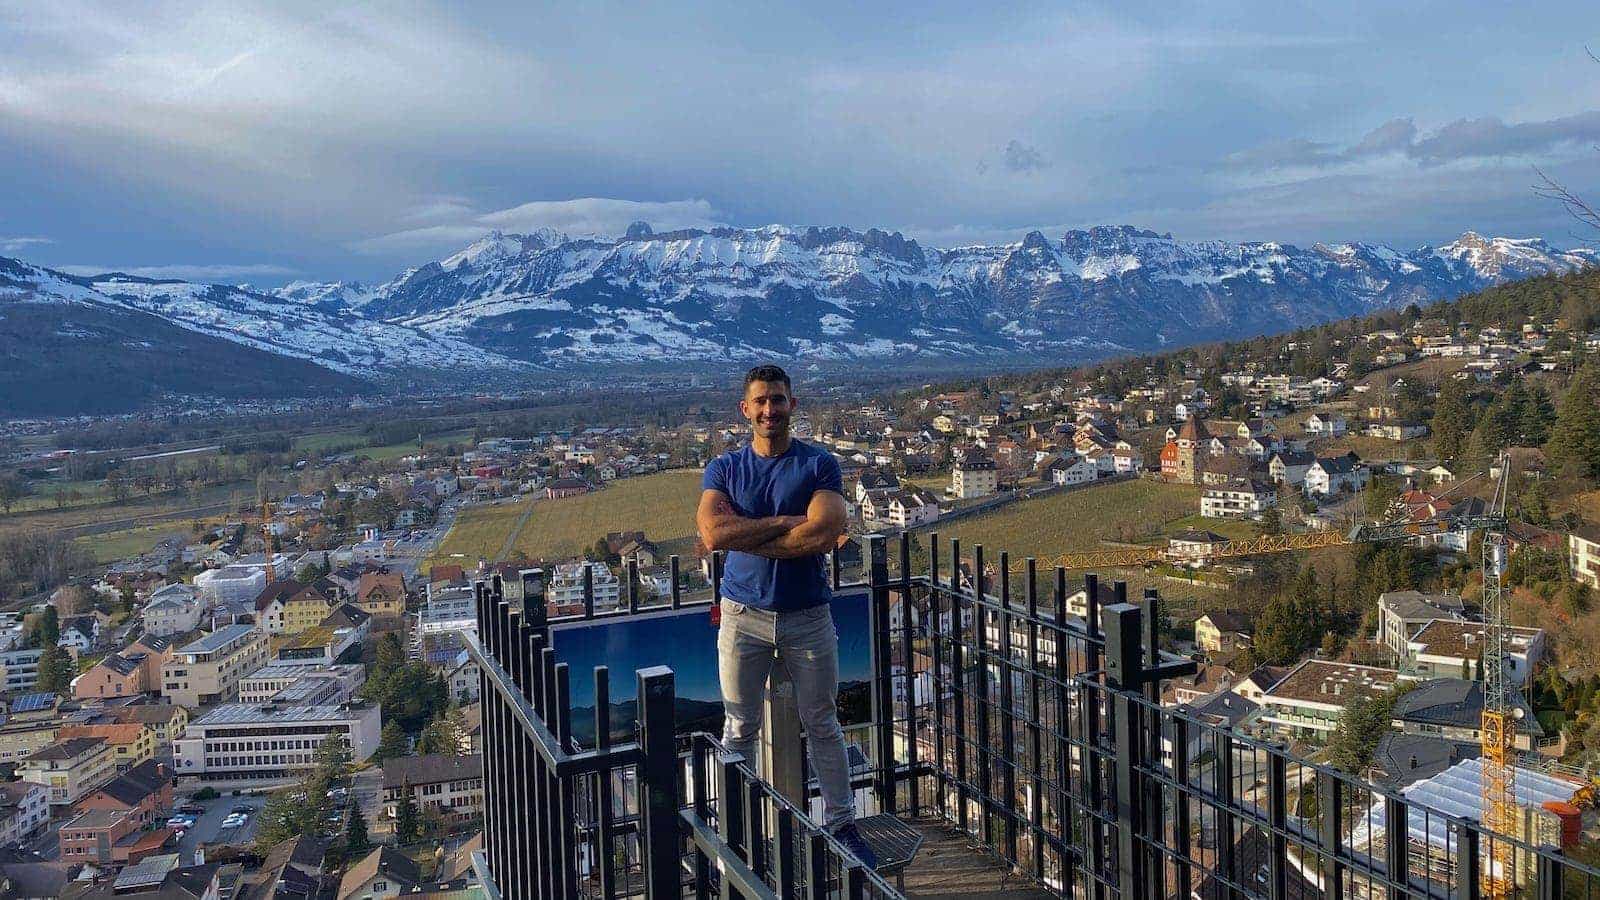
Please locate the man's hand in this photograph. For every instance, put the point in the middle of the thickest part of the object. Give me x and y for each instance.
(818, 532)
(722, 528)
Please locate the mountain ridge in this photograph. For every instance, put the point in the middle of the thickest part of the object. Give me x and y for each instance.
(515, 305)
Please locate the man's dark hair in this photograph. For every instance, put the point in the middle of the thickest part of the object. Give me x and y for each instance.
(767, 374)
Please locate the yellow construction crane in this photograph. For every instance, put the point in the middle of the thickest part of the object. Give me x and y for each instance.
(1499, 718)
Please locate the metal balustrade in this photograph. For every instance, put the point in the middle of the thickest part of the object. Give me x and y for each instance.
(1038, 734)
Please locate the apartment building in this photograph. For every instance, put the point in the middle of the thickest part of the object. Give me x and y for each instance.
(131, 744)
(974, 476)
(173, 609)
(453, 785)
(1307, 702)
(24, 808)
(19, 669)
(1451, 648)
(1242, 499)
(208, 670)
(274, 742)
(70, 768)
(566, 585)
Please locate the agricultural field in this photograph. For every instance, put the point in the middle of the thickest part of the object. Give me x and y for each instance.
(324, 442)
(114, 545)
(479, 532)
(1127, 512)
(661, 505)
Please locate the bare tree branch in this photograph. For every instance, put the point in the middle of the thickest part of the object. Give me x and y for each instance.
(1576, 206)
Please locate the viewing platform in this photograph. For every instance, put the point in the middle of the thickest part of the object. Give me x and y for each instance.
(1007, 748)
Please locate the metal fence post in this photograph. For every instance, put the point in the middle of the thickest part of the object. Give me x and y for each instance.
(1330, 809)
(1123, 677)
(882, 696)
(1469, 872)
(658, 783)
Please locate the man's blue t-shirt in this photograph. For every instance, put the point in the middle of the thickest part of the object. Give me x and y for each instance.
(761, 486)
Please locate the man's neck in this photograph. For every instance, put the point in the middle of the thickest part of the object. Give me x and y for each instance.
(770, 446)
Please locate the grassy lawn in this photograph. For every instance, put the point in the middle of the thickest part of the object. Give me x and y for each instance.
(115, 545)
(479, 531)
(324, 442)
(1232, 529)
(661, 505)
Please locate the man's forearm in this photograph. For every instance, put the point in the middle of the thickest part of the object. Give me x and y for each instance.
(736, 532)
(806, 539)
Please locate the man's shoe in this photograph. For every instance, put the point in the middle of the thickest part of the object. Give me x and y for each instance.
(850, 836)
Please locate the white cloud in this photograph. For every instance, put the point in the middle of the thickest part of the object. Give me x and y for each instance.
(21, 243)
(182, 272)
(579, 217)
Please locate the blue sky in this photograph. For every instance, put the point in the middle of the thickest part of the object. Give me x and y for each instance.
(279, 141)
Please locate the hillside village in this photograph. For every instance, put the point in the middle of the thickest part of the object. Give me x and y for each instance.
(286, 689)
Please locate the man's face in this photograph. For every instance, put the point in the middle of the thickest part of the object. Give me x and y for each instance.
(767, 405)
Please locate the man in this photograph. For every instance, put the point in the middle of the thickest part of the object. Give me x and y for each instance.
(777, 506)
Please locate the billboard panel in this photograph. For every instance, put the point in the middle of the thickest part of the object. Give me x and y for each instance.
(686, 640)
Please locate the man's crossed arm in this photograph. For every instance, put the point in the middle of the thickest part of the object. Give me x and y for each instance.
(775, 537)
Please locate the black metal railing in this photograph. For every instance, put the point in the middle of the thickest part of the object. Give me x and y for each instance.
(995, 711)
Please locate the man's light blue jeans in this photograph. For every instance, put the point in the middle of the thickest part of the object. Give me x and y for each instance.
(748, 643)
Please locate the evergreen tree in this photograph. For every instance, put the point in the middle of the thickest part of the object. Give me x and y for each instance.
(1574, 444)
(1535, 415)
(55, 670)
(1452, 418)
(47, 628)
(407, 821)
(356, 842)
(392, 742)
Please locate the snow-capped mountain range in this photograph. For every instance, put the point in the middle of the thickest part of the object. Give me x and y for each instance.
(545, 301)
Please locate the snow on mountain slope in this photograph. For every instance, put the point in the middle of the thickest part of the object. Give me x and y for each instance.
(337, 340)
(510, 301)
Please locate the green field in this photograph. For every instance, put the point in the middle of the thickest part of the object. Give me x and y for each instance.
(325, 442)
(661, 505)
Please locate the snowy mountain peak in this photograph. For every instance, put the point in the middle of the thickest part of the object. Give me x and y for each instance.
(497, 246)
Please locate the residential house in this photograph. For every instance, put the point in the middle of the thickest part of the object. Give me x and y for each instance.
(566, 487)
(1194, 546)
(1223, 631)
(875, 482)
(1451, 648)
(381, 593)
(1402, 613)
(167, 720)
(162, 879)
(1396, 431)
(385, 872)
(450, 784)
(1583, 555)
(131, 744)
(1071, 470)
(1331, 475)
(1326, 424)
(1452, 708)
(1290, 466)
(114, 676)
(1403, 758)
(292, 870)
(80, 633)
(144, 790)
(1245, 498)
(290, 607)
(24, 809)
(911, 508)
(172, 609)
(109, 838)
